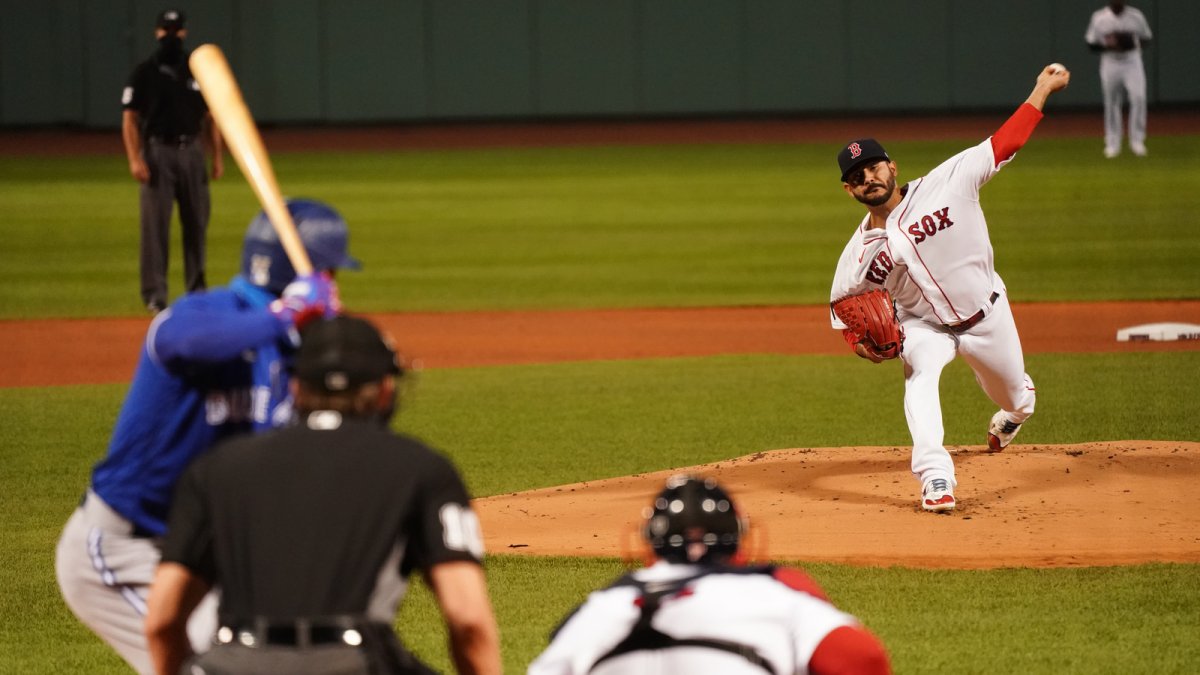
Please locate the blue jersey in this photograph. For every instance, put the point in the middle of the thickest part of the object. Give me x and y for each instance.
(212, 365)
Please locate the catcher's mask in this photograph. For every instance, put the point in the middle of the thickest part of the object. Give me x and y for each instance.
(323, 232)
(693, 520)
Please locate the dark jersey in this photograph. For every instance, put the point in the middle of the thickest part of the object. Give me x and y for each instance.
(327, 517)
(166, 97)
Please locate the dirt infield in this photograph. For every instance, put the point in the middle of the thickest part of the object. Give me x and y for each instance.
(1092, 504)
(108, 348)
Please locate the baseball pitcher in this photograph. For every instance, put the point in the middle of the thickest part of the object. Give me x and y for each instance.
(926, 244)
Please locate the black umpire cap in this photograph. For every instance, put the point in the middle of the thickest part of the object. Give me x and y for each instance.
(171, 20)
(859, 152)
(343, 353)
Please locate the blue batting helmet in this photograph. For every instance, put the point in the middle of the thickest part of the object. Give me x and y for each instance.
(325, 236)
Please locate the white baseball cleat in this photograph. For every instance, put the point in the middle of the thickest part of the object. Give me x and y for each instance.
(1001, 431)
(1138, 149)
(936, 496)
(1109, 153)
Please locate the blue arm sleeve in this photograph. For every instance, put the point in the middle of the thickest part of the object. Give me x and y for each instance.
(212, 334)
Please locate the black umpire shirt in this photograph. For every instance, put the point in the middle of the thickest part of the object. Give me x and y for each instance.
(324, 518)
(166, 98)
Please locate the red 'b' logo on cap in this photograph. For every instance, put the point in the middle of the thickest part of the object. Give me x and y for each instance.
(855, 150)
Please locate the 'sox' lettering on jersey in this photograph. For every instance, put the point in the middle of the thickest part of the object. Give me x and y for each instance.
(881, 266)
(237, 405)
(927, 226)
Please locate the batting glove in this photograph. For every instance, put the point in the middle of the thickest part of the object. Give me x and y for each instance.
(309, 296)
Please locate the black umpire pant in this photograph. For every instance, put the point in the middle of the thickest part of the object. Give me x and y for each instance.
(178, 173)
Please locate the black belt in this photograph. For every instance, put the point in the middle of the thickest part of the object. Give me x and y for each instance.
(180, 140)
(349, 631)
(964, 326)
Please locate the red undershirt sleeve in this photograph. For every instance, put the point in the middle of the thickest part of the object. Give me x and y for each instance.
(1014, 132)
(798, 581)
(850, 650)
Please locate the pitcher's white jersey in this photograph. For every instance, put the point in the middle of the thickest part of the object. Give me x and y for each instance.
(934, 255)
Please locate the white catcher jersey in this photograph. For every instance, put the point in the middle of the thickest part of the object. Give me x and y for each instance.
(934, 255)
(782, 624)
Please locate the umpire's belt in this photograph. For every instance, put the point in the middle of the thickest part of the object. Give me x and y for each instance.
(181, 140)
(351, 631)
(964, 326)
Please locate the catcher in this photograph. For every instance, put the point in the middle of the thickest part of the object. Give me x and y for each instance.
(926, 243)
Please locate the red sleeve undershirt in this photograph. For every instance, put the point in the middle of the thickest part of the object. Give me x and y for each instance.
(1014, 132)
(850, 650)
(798, 581)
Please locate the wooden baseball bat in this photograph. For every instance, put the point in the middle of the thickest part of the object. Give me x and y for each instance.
(228, 108)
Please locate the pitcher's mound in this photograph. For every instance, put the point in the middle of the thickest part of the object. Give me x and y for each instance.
(1110, 503)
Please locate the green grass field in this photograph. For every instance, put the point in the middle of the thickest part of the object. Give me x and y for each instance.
(637, 227)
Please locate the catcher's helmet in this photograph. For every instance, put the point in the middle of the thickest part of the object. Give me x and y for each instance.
(693, 520)
(325, 236)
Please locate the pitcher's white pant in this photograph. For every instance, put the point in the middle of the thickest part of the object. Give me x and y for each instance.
(993, 350)
(1120, 80)
(104, 573)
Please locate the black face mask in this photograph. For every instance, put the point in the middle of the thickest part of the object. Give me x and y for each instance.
(170, 48)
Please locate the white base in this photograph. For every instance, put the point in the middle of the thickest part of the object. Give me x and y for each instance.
(1159, 332)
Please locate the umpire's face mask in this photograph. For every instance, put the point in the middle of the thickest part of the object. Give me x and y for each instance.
(170, 48)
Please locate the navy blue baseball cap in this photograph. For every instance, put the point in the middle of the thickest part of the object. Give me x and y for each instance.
(858, 152)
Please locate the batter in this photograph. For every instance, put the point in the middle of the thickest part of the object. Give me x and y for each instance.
(927, 243)
(213, 365)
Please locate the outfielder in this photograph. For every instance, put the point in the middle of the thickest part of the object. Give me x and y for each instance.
(213, 364)
(927, 244)
(1119, 32)
(696, 611)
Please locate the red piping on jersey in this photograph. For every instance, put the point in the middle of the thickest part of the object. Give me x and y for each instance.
(900, 220)
(1014, 132)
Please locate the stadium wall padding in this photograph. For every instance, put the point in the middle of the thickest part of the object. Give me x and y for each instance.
(362, 61)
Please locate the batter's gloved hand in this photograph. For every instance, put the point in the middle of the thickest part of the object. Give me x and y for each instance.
(309, 296)
(872, 328)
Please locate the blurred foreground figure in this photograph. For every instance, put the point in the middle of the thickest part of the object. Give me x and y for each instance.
(696, 610)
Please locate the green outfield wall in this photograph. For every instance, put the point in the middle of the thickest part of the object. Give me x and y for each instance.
(354, 61)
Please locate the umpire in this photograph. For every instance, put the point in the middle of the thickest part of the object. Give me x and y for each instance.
(164, 123)
(311, 532)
